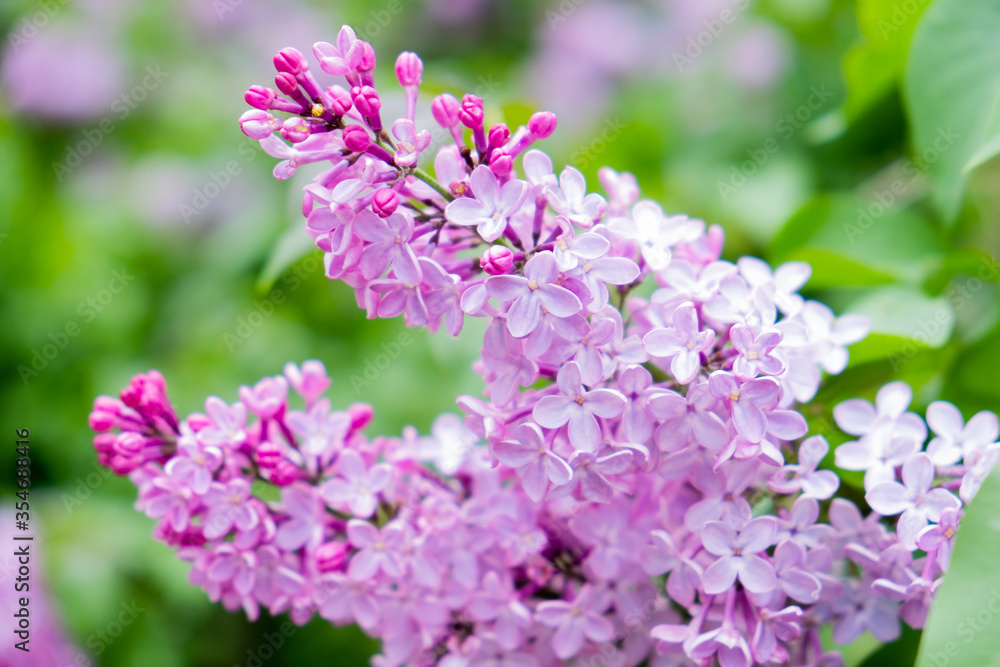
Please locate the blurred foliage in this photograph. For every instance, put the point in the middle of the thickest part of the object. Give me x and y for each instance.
(826, 159)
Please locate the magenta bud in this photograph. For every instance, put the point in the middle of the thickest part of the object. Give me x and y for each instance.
(498, 136)
(123, 465)
(257, 124)
(105, 442)
(472, 113)
(108, 404)
(385, 202)
(542, 124)
(284, 473)
(340, 100)
(356, 138)
(100, 420)
(501, 164)
(268, 455)
(260, 97)
(446, 109)
(361, 415)
(295, 130)
(290, 60)
(362, 53)
(366, 100)
(497, 260)
(331, 556)
(198, 421)
(286, 83)
(409, 68)
(129, 443)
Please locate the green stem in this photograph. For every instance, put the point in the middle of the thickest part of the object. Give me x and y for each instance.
(431, 181)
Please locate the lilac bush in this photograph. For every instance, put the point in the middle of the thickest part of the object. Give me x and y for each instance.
(636, 486)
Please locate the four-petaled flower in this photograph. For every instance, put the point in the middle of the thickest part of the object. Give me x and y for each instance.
(535, 290)
(738, 556)
(578, 407)
(492, 206)
(914, 498)
(684, 343)
(575, 621)
(536, 463)
(357, 488)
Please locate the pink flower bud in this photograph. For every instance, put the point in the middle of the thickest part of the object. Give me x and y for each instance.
(260, 97)
(356, 138)
(361, 415)
(290, 60)
(295, 130)
(501, 163)
(498, 136)
(472, 113)
(123, 465)
(385, 202)
(100, 420)
(310, 381)
(497, 260)
(198, 421)
(286, 83)
(129, 443)
(258, 124)
(445, 109)
(340, 100)
(366, 100)
(331, 556)
(362, 56)
(268, 455)
(105, 442)
(542, 124)
(409, 68)
(284, 473)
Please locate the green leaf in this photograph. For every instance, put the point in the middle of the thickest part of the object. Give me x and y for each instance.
(963, 627)
(290, 248)
(907, 313)
(852, 241)
(950, 87)
(874, 66)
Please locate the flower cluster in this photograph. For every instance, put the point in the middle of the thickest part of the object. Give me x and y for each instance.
(637, 485)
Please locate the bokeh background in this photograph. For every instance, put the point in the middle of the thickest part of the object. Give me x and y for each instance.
(139, 229)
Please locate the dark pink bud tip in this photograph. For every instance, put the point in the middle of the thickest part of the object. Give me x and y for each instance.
(366, 100)
(498, 136)
(497, 260)
(361, 415)
(501, 164)
(260, 97)
(286, 83)
(268, 455)
(340, 100)
(385, 202)
(445, 109)
(542, 124)
(331, 556)
(257, 124)
(290, 60)
(409, 69)
(472, 113)
(356, 138)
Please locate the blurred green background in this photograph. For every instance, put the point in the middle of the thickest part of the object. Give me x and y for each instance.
(140, 229)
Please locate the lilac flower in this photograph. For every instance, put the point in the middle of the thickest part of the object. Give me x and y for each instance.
(683, 344)
(358, 486)
(737, 552)
(575, 622)
(579, 408)
(535, 290)
(974, 478)
(803, 476)
(786, 280)
(940, 538)
(570, 250)
(571, 200)
(955, 439)
(228, 423)
(492, 205)
(228, 509)
(655, 233)
(792, 572)
(378, 550)
(195, 463)
(266, 398)
(589, 472)
(497, 601)
(755, 352)
(306, 519)
(235, 566)
(409, 142)
(390, 244)
(914, 498)
(745, 401)
(310, 381)
(537, 465)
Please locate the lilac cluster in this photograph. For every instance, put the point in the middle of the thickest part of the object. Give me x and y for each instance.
(635, 487)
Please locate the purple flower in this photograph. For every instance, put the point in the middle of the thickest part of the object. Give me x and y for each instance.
(745, 401)
(683, 344)
(194, 462)
(390, 244)
(409, 142)
(228, 423)
(579, 408)
(492, 205)
(537, 464)
(755, 352)
(803, 476)
(955, 439)
(306, 521)
(497, 601)
(358, 487)
(228, 507)
(914, 498)
(378, 550)
(575, 622)
(571, 200)
(266, 398)
(738, 557)
(535, 290)
(940, 538)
